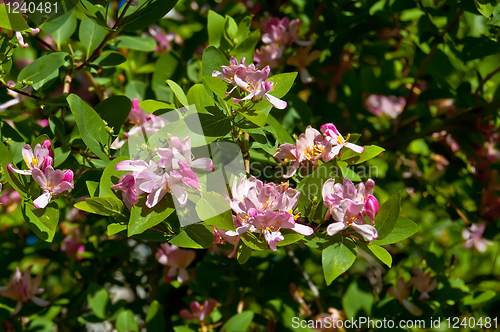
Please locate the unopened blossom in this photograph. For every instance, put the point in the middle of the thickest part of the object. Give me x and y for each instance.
(265, 208)
(20, 38)
(338, 141)
(250, 80)
(424, 284)
(73, 244)
(199, 312)
(391, 106)
(267, 55)
(222, 236)
(302, 59)
(34, 159)
(164, 40)
(53, 182)
(346, 205)
(310, 146)
(22, 290)
(474, 237)
(176, 259)
(401, 292)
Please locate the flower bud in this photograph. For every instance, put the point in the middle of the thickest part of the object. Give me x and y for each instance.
(369, 185)
(48, 144)
(49, 161)
(68, 175)
(371, 206)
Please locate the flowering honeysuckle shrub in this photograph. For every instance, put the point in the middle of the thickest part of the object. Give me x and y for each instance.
(248, 166)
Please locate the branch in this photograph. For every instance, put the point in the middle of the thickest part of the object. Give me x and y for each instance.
(47, 45)
(314, 289)
(423, 66)
(27, 94)
(481, 84)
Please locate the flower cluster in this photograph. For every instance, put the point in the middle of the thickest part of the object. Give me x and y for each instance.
(22, 290)
(171, 173)
(265, 208)
(312, 146)
(349, 206)
(391, 106)
(250, 80)
(177, 260)
(163, 39)
(39, 163)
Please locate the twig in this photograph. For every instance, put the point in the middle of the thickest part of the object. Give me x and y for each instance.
(314, 289)
(47, 45)
(27, 94)
(67, 83)
(97, 89)
(247, 152)
(481, 84)
(423, 66)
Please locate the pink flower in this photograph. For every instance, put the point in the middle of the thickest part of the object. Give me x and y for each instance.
(129, 190)
(391, 106)
(282, 32)
(222, 236)
(265, 209)
(250, 80)
(20, 38)
(33, 159)
(401, 292)
(347, 206)
(310, 146)
(177, 260)
(181, 151)
(163, 39)
(424, 284)
(338, 141)
(328, 320)
(53, 182)
(144, 123)
(22, 290)
(267, 55)
(198, 311)
(474, 237)
(10, 199)
(73, 244)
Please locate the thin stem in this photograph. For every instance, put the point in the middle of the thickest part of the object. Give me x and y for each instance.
(47, 45)
(314, 289)
(423, 66)
(27, 94)
(246, 144)
(482, 83)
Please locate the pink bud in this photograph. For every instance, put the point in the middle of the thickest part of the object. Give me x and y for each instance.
(49, 161)
(370, 184)
(48, 144)
(371, 206)
(68, 175)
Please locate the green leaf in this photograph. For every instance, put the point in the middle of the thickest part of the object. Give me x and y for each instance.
(486, 7)
(143, 44)
(214, 210)
(382, 254)
(196, 236)
(95, 12)
(43, 222)
(98, 299)
(91, 35)
(212, 59)
(114, 110)
(93, 188)
(178, 92)
(220, 87)
(125, 322)
(116, 228)
(404, 228)
(387, 216)
(148, 14)
(282, 84)
(91, 126)
(256, 117)
(289, 238)
(282, 135)
(154, 319)
(152, 106)
(57, 128)
(247, 47)
(215, 26)
(183, 329)
(43, 69)
(353, 158)
(239, 322)
(12, 21)
(355, 299)
(165, 67)
(136, 89)
(253, 242)
(338, 257)
(244, 253)
(481, 298)
(104, 206)
(143, 218)
(110, 59)
(61, 28)
(110, 176)
(61, 154)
